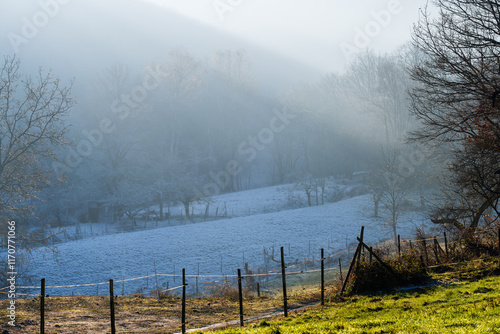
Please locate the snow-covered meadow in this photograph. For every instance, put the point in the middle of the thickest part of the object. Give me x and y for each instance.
(216, 247)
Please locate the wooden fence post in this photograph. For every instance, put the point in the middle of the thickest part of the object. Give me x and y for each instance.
(283, 277)
(436, 249)
(183, 316)
(353, 262)
(42, 306)
(322, 277)
(340, 269)
(439, 246)
(399, 245)
(424, 244)
(240, 297)
(112, 306)
(499, 238)
(156, 279)
(357, 253)
(197, 288)
(445, 244)
(361, 237)
(258, 289)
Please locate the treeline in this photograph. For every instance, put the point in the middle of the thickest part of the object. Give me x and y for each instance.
(184, 129)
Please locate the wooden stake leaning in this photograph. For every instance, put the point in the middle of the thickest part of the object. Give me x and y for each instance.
(357, 254)
(389, 269)
(353, 262)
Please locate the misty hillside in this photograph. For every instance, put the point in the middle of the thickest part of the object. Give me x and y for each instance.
(85, 37)
(166, 111)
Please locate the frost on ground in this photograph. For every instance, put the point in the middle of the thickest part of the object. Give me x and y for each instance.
(211, 246)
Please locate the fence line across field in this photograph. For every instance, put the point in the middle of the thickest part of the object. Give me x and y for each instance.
(274, 272)
(362, 246)
(233, 278)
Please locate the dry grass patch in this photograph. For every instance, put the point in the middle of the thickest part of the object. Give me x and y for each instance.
(142, 314)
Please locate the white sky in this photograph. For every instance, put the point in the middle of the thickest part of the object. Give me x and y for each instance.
(312, 31)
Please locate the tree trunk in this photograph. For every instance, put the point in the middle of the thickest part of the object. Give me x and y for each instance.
(186, 209)
(207, 210)
(376, 202)
(317, 198)
(394, 223)
(488, 203)
(161, 206)
(422, 197)
(395, 232)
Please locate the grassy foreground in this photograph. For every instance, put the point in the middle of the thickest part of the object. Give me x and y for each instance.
(461, 307)
(470, 303)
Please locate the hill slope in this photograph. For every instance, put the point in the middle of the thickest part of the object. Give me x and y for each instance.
(210, 246)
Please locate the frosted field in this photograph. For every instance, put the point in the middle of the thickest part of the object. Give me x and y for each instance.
(208, 246)
(268, 199)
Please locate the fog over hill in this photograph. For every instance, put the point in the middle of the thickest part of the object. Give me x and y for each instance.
(163, 115)
(80, 38)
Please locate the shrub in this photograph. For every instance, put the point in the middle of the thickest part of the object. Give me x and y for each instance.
(224, 290)
(374, 276)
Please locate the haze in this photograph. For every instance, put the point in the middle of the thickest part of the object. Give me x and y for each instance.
(196, 111)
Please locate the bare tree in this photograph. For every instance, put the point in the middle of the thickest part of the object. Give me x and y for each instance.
(116, 158)
(457, 99)
(311, 186)
(32, 112)
(235, 95)
(133, 197)
(380, 83)
(179, 88)
(391, 187)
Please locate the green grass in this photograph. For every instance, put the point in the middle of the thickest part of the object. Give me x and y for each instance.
(464, 307)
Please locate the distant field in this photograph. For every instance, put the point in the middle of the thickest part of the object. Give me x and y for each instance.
(214, 247)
